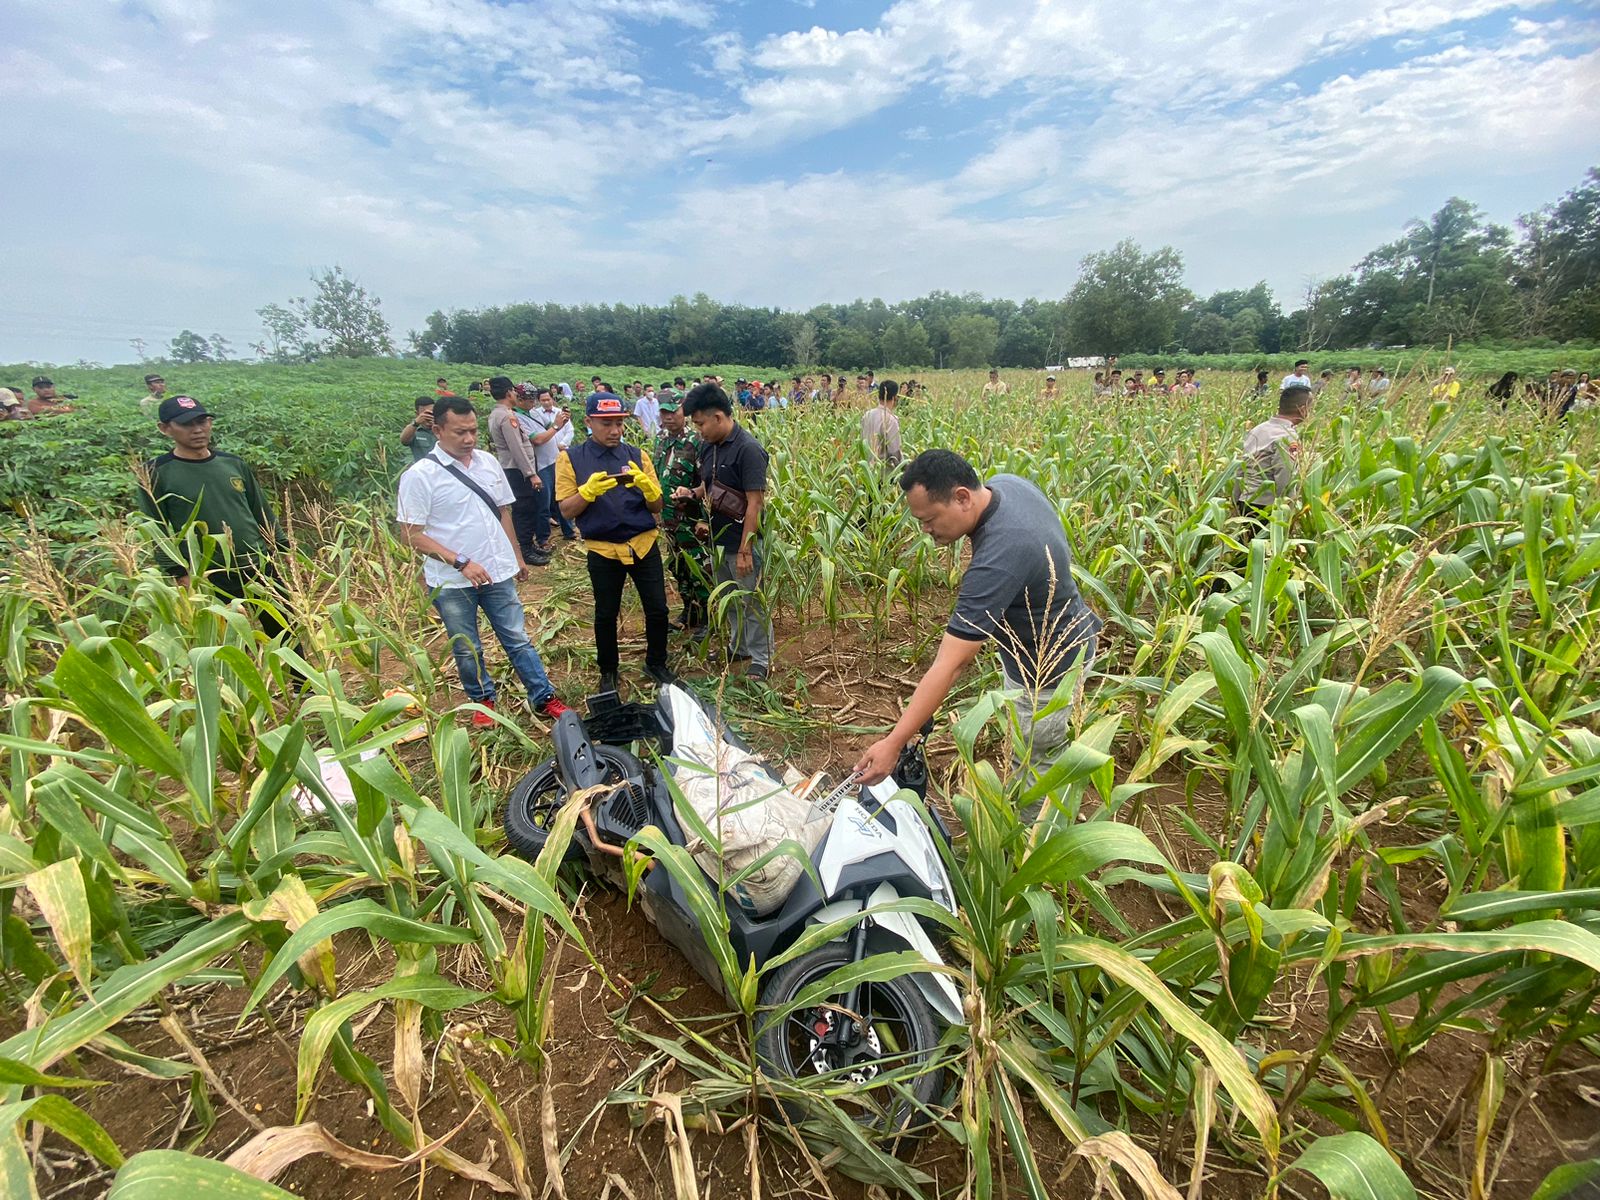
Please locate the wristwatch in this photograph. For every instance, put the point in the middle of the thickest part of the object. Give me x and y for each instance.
(461, 562)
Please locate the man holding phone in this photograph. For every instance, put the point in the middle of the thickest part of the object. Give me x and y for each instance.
(550, 430)
(610, 489)
(418, 435)
(733, 487)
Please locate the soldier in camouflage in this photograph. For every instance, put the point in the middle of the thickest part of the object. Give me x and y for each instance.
(677, 459)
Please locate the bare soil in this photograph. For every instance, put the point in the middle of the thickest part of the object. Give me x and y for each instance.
(831, 692)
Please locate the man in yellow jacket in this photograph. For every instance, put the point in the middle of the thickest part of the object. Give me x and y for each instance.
(610, 489)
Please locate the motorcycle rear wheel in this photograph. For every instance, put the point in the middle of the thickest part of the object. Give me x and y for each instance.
(533, 803)
(902, 1034)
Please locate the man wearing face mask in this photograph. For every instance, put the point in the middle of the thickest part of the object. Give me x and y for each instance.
(1017, 592)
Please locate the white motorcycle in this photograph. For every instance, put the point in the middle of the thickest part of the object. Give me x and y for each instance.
(867, 849)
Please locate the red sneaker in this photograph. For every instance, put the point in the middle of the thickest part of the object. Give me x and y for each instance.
(482, 720)
(553, 708)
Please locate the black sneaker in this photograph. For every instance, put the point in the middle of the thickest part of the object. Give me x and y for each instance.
(662, 675)
(609, 681)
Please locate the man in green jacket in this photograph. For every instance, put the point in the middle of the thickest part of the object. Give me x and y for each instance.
(219, 493)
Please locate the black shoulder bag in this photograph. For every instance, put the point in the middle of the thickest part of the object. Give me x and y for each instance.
(481, 494)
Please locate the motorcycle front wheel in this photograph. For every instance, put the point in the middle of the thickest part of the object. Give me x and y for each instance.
(898, 1041)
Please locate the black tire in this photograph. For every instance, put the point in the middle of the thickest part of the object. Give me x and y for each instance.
(897, 1015)
(531, 807)
(539, 795)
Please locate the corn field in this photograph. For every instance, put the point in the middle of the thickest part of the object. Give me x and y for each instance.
(1311, 902)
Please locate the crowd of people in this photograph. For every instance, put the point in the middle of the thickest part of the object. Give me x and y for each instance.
(669, 481)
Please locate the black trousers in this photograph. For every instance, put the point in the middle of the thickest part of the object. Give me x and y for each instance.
(232, 585)
(524, 508)
(608, 577)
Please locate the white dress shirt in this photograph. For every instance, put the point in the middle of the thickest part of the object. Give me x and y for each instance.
(647, 411)
(456, 517)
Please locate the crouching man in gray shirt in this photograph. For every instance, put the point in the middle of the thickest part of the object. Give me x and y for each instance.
(1018, 591)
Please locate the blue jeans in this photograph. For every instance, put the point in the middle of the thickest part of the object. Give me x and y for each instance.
(548, 510)
(459, 606)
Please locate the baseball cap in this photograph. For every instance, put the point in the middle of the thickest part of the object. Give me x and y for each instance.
(42, 381)
(669, 406)
(153, 378)
(180, 410)
(604, 404)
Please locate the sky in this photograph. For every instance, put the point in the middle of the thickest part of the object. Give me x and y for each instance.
(179, 163)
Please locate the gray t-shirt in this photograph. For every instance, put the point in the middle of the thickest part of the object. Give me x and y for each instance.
(1019, 588)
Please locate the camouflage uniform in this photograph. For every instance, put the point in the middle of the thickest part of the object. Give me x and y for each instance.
(677, 461)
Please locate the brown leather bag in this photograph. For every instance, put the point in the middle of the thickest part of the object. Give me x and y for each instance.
(724, 501)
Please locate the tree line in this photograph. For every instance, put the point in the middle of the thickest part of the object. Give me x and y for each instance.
(1455, 277)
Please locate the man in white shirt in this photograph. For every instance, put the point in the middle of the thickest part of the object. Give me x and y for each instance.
(647, 411)
(550, 430)
(1378, 389)
(455, 509)
(1299, 377)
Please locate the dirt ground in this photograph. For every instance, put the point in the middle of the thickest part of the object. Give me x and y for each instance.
(829, 695)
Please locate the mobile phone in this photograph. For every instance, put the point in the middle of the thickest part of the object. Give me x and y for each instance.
(620, 475)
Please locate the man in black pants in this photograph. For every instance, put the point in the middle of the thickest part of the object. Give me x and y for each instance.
(515, 454)
(610, 489)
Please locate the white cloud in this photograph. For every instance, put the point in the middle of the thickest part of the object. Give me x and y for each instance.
(462, 152)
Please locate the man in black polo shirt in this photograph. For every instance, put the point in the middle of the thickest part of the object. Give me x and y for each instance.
(1018, 591)
(733, 486)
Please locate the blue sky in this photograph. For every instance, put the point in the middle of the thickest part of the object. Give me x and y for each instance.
(179, 163)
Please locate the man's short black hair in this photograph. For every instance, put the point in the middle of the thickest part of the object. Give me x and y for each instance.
(445, 405)
(500, 386)
(441, 379)
(1261, 376)
(707, 397)
(678, 381)
(939, 472)
(425, 402)
(1301, 362)
(1295, 398)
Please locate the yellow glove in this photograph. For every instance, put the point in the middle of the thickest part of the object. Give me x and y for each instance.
(595, 486)
(648, 487)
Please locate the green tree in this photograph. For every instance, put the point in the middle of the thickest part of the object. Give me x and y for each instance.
(905, 343)
(189, 347)
(1557, 275)
(1209, 334)
(803, 344)
(852, 348)
(1126, 300)
(973, 340)
(286, 336)
(351, 317)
